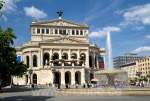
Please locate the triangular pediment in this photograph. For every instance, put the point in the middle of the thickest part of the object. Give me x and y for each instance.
(65, 40)
(60, 22)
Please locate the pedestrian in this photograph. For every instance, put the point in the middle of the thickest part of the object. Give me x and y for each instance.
(76, 85)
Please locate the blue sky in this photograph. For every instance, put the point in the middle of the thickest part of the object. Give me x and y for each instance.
(127, 20)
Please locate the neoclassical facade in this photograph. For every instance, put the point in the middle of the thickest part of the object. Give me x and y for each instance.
(59, 52)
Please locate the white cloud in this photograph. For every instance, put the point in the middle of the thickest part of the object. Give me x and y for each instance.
(34, 12)
(142, 49)
(9, 6)
(103, 31)
(137, 15)
(147, 36)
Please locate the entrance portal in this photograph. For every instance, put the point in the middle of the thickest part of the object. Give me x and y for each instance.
(68, 78)
(57, 78)
(78, 77)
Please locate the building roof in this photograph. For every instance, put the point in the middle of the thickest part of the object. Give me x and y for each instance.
(59, 23)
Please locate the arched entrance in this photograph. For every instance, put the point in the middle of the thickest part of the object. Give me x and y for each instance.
(68, 78)
(57, 78)
(34, 79)
(78, 77)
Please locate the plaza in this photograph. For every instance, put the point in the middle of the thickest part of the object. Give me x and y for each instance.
(26, 94)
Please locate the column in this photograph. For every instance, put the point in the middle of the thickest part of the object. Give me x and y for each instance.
(97, 62)
(42, 58)
(30, 59)
(78, 54)
(60, 55)
(69, 54)
(87, 58)
(38, 58)
(82, 76)
(50, 56)
(62, 76)
(72, 76)
(94, 61)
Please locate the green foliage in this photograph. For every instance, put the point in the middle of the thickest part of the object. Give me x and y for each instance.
(1, 6)
(145, 79)
(8, 58)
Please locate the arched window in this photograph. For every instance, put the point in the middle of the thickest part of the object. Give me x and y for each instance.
(74, 56)
(95, 61)
(34, 61)
(83, 57)
(46, 59)
(27, 61)
(65, 56)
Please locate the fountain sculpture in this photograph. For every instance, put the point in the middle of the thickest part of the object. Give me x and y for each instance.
(110, 77)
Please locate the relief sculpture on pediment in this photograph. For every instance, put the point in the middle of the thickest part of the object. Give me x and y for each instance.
(61, 23)
(65, 40)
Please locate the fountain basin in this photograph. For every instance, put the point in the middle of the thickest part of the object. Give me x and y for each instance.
(111, 78)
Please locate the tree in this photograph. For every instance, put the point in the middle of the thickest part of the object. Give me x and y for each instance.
(1, 6)
(9, 66)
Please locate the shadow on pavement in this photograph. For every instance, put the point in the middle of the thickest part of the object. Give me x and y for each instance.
(26, 98)
(10, 90)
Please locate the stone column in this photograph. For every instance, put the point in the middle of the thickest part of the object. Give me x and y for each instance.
(60, 54)
(42, 58)
(31, 59)
(62, 76)
(50, 56)
(38, 58)
(82, 76)
(72, 76)
(94, 61)
(87, 58)
(97, 62)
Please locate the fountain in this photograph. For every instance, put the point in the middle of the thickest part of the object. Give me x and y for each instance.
(110, 77)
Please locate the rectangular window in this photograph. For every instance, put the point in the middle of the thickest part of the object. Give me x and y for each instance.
(38, 31)
(77, 32)
(73, 32)
(81, 32)
(56, 31)
(43, 31)
(64, 31)
(47, 31)
(60, 32)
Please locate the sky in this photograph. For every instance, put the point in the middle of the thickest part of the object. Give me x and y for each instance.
(127, 20)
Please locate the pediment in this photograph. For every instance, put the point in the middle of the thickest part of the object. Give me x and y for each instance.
(60, 22)
(65, 40)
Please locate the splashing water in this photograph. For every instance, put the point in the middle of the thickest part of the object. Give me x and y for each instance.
(109, 62)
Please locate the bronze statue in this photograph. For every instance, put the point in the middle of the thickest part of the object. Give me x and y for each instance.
(59, 13)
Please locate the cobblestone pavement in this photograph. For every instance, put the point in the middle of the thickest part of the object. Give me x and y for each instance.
(48, 94)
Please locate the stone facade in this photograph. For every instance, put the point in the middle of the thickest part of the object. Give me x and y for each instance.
(131, 69)
(59, 52)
